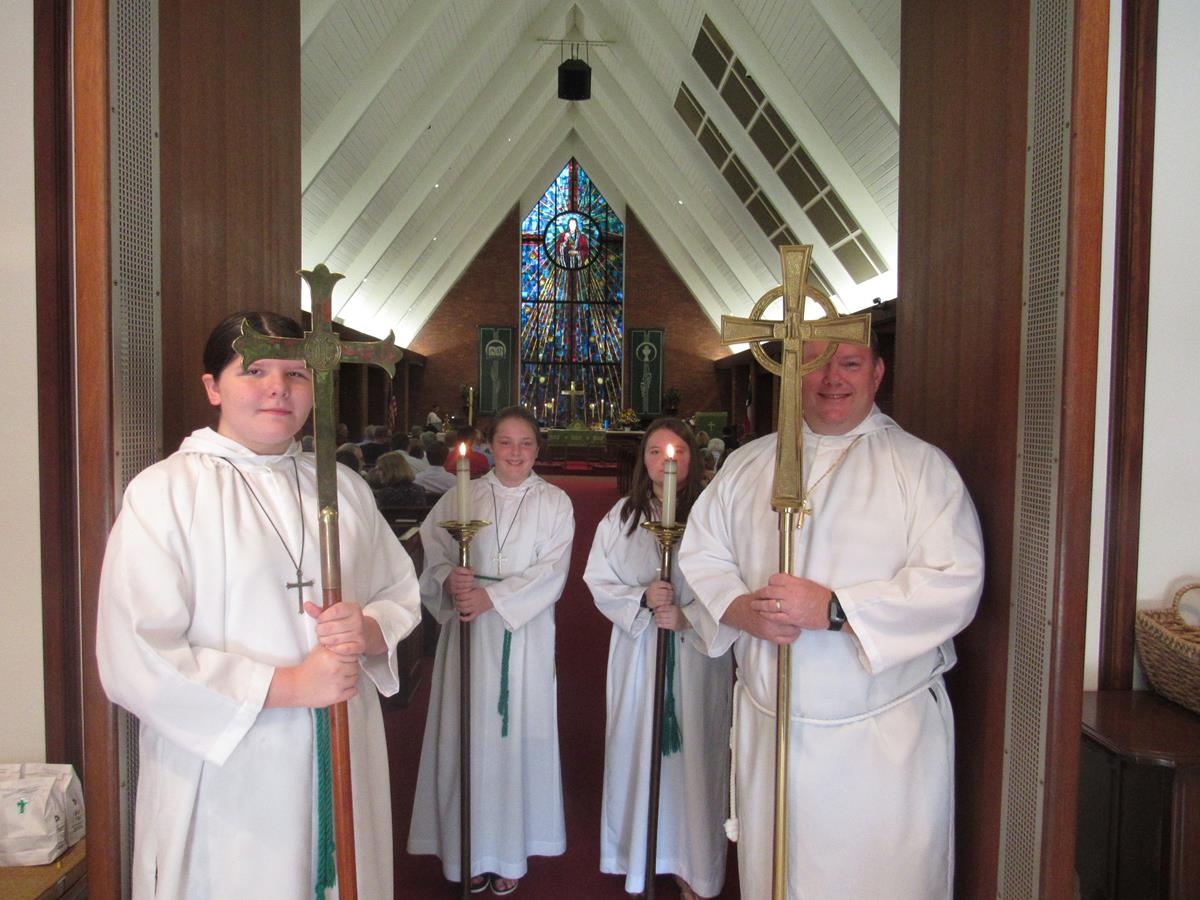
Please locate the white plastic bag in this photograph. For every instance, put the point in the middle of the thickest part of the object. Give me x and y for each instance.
(33, 827)
(66, 782)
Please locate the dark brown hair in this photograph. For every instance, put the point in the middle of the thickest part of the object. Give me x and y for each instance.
(218, 350)
(517, 412)
(641, 488)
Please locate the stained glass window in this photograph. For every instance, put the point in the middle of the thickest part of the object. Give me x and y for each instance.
(572, 303)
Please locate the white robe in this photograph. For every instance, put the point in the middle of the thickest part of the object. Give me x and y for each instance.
(871, 765)
(692, 804)
(194, 617)
(516, 781)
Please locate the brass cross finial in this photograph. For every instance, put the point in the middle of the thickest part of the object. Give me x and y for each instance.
(794, 331)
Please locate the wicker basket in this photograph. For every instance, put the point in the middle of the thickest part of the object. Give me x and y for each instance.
(1170, 651)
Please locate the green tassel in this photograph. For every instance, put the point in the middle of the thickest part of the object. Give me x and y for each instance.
(672, 736)
(502, 706)
(326, 860)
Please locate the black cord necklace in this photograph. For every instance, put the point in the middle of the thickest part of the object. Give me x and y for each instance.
(299, 584)
(499, 557)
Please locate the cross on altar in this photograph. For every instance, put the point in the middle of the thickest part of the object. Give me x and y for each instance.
(794, 331)
(572, 396)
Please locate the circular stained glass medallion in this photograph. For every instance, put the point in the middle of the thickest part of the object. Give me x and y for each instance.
(570, 239)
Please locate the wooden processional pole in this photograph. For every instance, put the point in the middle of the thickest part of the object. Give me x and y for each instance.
(668, 536)
(323, 351)
(788, 493)
(464, 532)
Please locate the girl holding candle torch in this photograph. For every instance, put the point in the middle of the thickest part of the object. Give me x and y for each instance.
(518, 568)
(623, 575)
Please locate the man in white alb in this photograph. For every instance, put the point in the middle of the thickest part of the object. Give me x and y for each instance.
(889, 568)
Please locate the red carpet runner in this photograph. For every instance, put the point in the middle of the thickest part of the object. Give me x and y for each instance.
(582, 655)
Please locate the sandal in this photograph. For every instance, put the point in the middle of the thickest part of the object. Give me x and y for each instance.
(685, 890)
(502, 887)
(481, 883)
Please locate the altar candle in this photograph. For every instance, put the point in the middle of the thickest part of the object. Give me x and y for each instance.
(670, 468)
(464, 484)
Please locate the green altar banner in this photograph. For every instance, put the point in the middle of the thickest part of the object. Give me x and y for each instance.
(645, 370)
(495, 368)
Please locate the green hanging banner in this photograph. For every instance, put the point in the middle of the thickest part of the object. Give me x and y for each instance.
(495, 368)
(645, 371)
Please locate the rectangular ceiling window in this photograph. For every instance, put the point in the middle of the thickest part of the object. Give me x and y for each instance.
(768, 141)
(710, 58)
(764, 214)
(851, 256)
(796, 180)
(739, 179)
(739, 99)
(783, 151)
(714, 146)
(826, 222)
(686, 107)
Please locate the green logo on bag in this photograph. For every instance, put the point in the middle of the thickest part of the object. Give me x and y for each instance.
(21, 804)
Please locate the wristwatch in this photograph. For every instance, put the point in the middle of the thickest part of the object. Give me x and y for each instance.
(837, 616)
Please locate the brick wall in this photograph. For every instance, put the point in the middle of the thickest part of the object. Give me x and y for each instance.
(486, 294)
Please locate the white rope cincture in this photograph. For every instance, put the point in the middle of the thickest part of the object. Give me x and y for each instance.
(733, 829)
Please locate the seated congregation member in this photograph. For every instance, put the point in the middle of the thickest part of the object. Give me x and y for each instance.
(413, 450)
(622, 573)
(435, 479)
(520, 564)
(350, 456)
(375, 444)
(392, 481)
(889, 568)
(479, 463)
(201, 635)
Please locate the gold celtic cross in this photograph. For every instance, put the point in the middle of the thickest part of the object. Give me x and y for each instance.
(794, 331)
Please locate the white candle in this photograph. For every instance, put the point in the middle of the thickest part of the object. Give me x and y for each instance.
(464, 484)
(670, 467)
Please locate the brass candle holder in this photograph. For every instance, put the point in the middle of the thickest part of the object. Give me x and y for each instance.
(464, 533)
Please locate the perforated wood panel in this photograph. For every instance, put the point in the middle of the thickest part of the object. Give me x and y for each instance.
(1036, 513)
(136, 290)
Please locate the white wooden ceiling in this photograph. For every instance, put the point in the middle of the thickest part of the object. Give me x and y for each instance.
(425, 121)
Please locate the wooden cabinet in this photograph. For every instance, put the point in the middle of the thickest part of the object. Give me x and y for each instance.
(1139, 799)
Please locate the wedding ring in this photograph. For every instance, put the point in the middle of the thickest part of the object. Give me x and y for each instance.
(778, 606)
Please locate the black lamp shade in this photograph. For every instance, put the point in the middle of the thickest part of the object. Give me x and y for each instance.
(574, 80)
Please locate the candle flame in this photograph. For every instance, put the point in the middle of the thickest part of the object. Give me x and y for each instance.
(670, 451)
(462, 449)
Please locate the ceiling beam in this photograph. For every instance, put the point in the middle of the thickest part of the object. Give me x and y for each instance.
(873, 62)
(790, 104)
(656, 24)
(440, 169)
(711, 297)
(518, 66)
(656, 159)
(636, 79)
(410, 305)
(379, 68)
(312, 14)
(462, 217)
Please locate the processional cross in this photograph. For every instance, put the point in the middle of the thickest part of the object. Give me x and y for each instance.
(787, 496)
(322, 352)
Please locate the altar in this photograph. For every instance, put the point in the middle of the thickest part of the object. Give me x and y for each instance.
(597, 451)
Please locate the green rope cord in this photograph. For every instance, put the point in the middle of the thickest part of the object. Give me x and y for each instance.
(502, 706)
(326, 860)
(672, 736)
